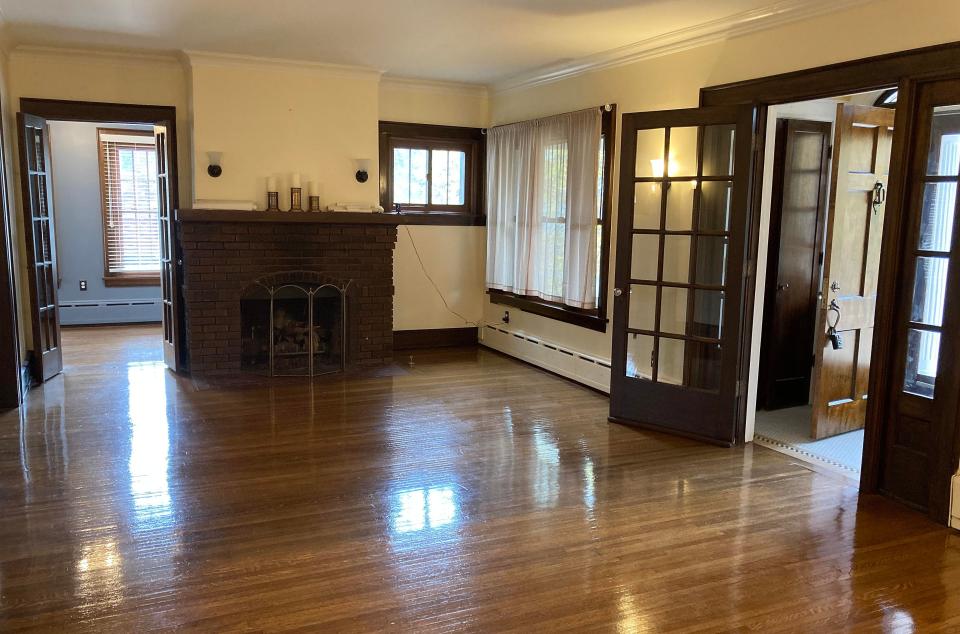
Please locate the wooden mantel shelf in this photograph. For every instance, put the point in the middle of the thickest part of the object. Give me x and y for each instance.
(324, 217)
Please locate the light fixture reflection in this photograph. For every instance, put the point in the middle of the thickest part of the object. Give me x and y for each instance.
(424, 508)
(149, 442)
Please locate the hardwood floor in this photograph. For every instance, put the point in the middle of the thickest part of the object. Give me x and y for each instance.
(465, 492)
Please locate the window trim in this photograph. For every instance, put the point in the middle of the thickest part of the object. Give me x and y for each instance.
(146, 278)
(471, 141)
(596, 318)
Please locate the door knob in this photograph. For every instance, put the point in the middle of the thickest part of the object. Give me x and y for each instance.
(617, 292)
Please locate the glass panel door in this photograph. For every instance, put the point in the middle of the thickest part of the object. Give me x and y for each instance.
(920, 442)
(680, 270)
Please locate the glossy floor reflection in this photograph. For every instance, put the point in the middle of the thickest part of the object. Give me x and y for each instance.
(469, 491)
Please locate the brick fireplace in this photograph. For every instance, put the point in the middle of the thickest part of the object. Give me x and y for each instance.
(228, 253)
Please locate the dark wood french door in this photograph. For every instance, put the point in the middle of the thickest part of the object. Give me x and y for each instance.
(38, 222)
(685, 178)
(169, 258)
(921, 447)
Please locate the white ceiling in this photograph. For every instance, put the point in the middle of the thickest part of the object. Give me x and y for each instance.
(481, 41)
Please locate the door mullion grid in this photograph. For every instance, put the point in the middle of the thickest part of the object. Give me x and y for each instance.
(664, 192)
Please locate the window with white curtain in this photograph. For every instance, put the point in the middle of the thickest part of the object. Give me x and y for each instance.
(546, 203)
(131, 223)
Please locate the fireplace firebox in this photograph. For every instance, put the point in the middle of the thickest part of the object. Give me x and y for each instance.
(293, 329)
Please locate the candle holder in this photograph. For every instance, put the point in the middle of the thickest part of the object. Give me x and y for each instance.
(273, 201)
(314, 203)
(296, 199)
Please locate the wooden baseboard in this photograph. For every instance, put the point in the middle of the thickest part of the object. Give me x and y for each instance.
(434, 338)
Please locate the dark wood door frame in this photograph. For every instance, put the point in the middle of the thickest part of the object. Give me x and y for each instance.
(99, 112)
(10, 381)
(904, 70)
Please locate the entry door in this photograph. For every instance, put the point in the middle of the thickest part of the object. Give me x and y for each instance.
(798, 210)
(38, 219)
(863, 136)
(684, 193)
(168, 253)
(922, 436)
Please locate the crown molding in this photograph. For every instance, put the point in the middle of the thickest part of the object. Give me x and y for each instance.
(434, 86)
(30, 50)
(207, 58)
(782, 12)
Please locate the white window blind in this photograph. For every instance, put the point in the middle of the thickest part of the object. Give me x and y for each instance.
(131, 231)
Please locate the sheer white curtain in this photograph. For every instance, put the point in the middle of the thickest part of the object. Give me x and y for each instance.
(542, 179)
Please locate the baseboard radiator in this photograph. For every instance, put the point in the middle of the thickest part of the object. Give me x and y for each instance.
(579, 367)
(110, 311)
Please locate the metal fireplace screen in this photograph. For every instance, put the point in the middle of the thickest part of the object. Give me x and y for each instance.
(293, 329)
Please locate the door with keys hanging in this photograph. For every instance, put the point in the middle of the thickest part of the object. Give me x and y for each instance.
(861, 159)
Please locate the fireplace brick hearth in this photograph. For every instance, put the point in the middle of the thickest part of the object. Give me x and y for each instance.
(222, 259)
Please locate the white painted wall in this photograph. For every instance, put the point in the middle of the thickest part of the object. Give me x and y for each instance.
(79, 229)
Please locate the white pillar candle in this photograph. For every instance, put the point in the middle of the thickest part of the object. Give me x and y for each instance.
(295, 179)
(271, 184)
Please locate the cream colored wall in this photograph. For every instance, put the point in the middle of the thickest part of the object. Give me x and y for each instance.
(674, 81)
(273, 119)
(453, 257)
(84, 76)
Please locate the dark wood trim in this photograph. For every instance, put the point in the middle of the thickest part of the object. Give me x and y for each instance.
(578, 317)
(107, 113)
(131, 280)
(472, 141)
(861, 75)
(11, 377)
(100, 112)
(306, 217)
(669, 431)
(434, 338)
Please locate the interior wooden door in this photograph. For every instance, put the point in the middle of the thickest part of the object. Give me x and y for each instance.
(680, 274)
(798, 211)
(921, 437)
(40, 236)
(168, 256)
(863, 136)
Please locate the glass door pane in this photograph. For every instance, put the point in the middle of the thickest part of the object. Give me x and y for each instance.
(682, 203)
(932, 252)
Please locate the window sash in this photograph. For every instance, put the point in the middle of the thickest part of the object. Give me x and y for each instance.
(430, 147)
(131, 229)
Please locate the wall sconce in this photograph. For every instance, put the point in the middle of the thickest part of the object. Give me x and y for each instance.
(363, 169)
(213, 164)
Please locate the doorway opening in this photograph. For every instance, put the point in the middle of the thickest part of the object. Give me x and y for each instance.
(105, 176)
(823, 203)
(98, 182)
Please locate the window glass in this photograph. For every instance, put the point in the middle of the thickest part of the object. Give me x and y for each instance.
(923, 355)
(128, 175)
(447, 177)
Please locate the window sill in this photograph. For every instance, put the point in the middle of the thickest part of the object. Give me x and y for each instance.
(448, 218)
(131, 280)
(550, 310)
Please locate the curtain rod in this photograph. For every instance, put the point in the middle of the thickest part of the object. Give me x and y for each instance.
(607, 107)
